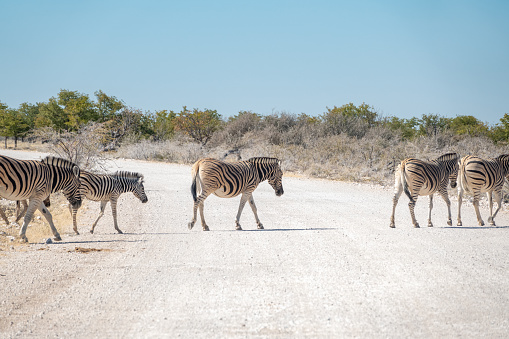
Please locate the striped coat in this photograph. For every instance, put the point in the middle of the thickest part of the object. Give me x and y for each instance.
(35, 180)
(228, 180)
(417, 177)
(478, 176)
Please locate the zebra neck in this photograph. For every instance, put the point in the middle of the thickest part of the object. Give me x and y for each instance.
(126, 185)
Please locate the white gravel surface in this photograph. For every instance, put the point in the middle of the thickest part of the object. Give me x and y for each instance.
(327, 265)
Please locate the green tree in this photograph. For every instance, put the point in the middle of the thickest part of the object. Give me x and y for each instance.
(468, 125)
(107, 106)
(78, 107)
(432, 124)
(199, 125)
(52, 115)
(501, 130)
(349, 119)
(405, 126)
(163, 124)
(13, 124)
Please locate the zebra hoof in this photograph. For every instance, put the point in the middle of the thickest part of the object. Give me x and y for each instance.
(449, 222)
(57, 238)
(206, 228)
(23, 239)
(392, 225)
(430, 224)
(459, 223)
(238, 228)
(120, 232)
(260, 227)
(190, 225)
(417, 226)
(91, 231)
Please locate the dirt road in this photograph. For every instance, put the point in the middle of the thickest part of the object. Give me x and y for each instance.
(327, 265)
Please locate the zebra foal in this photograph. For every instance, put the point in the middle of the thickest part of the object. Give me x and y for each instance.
(36, 180)
(228, 180)
(417, 177)
(104, 188)
(477, 176)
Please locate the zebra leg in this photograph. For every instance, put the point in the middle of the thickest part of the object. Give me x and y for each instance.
(243, 200)
(23, 211)
(101, 213)
(411, 206)
(477, 212)
(2, 214)
(199, 203)
(498, 200)
(445, 196)
(74, 212)
(113, 203)
(32, 207)
(460, 201)
(397, 193)
(430, 224)
(49, 218)
(255, 212)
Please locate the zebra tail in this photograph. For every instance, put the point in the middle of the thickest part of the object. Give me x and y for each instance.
(404, 182)
(193, 183)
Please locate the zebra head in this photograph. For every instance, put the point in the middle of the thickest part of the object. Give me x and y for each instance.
(503, 160)
(132, 182)
(276, 179)
(451, 163)
(65, 178)
(139, 191)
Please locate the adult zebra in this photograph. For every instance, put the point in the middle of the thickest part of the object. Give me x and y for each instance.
(104, 188)
(35, 180)
(228, 180)
(417, 177)
(477, 176)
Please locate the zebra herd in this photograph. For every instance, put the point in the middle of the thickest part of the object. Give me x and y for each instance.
(34, 181)
(473, 174)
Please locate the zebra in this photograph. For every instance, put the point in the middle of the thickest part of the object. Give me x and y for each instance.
(417, 177)
(477, 176)
(228, 180)
(104, 188)
(35, 180)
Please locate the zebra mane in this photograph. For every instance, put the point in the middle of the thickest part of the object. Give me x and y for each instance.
(58, 162)
(264, 160)
(448, 156)
(127, 175)
(502, 158)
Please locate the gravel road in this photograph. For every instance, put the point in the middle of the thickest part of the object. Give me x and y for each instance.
(327, 265)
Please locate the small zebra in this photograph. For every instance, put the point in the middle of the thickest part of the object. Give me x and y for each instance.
(228, 180)
(417, 177)
(104, 188)
(477, 176)
(36, 180)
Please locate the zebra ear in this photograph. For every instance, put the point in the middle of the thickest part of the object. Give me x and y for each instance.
(140, 180)
(76, 171)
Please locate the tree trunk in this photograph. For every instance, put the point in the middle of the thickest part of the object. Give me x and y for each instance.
(5, 142)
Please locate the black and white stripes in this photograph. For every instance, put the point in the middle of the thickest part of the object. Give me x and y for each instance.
(35, 180)
(417, 177)
(228, 180)
(104, 188)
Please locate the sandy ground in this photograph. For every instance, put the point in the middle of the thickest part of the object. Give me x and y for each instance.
(327, 265)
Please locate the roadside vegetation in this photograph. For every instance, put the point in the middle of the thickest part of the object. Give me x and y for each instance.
(347, 142)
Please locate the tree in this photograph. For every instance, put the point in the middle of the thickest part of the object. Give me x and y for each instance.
(349, 119)
(468, 125)
(12, 124)
(78, 107)
(432, 124)
(52, 115)
(163, 124)
(107, 106)
(501, 130)
(199, 125)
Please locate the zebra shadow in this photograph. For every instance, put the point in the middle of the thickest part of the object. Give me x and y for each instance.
(283, 229)
(476, 227)
(97, 241)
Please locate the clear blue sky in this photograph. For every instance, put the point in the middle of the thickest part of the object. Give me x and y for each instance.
(404, 58)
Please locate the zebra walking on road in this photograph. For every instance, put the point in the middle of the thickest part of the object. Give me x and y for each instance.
(228, 180)
(35, 180)
(477, 176)
(417, 177)
(104, 188)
